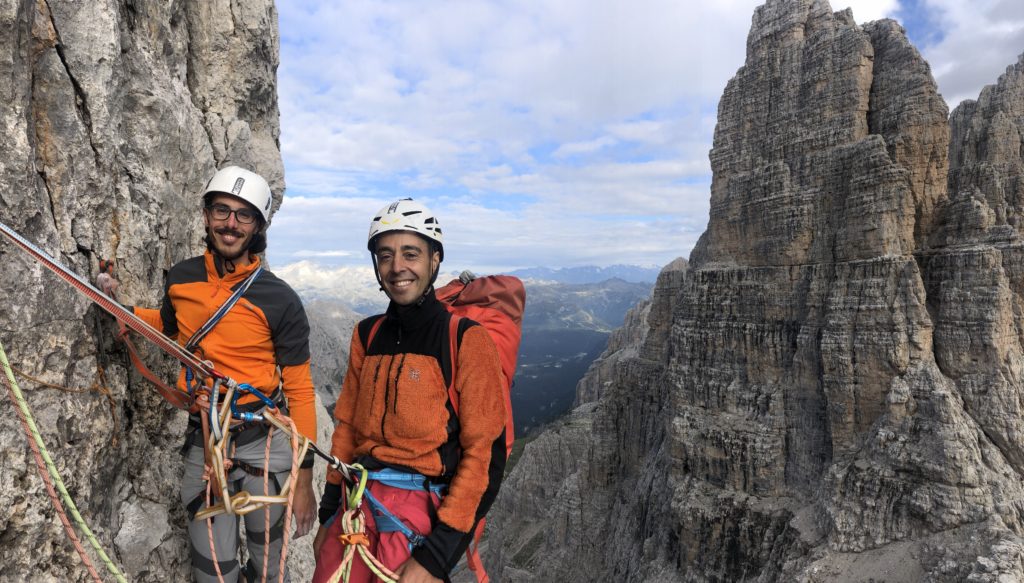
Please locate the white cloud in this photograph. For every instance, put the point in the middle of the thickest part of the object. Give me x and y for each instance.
(560, 133)
(588, 147)
(980, 40)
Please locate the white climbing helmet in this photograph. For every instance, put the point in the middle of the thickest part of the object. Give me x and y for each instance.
(244, 184)
(406, 215)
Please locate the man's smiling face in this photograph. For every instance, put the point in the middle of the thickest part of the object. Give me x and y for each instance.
(230, 236)
(405, 265)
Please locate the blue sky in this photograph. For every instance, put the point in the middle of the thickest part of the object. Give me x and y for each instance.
(561, 133)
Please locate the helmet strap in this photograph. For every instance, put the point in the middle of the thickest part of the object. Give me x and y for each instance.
(376, 272)
(431, 249)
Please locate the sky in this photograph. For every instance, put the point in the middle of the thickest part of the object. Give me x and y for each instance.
(559, 133)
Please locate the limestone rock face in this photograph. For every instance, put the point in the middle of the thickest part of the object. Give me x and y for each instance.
(831, 391)
(330, 331)
(627, 341)
(114, 116)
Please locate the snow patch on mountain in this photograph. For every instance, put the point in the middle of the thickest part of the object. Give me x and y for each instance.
(354, 286)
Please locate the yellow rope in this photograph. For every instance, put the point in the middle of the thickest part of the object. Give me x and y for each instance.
(353, 525)
(23, 406)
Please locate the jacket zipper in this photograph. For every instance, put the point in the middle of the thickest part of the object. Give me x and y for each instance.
(387, 392)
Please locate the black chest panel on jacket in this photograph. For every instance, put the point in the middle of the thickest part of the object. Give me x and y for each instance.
(423, 330)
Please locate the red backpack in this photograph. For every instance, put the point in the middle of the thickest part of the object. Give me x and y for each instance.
(495, 302)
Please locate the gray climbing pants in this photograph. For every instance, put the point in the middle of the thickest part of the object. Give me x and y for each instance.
(250, 450)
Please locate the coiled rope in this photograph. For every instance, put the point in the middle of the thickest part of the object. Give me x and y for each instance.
(216, 475)
(42, 458)
(354, 539)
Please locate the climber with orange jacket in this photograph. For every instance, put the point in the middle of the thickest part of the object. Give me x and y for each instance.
(262, 340)
(433, 474)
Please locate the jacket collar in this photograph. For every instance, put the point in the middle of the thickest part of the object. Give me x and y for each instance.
(415, 315)
(215, 266)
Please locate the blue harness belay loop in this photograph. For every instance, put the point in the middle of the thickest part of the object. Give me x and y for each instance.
(385, 520)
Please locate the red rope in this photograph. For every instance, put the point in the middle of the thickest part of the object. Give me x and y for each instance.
(293, 478)
(51, 491)
(266, 510)
(113, 308)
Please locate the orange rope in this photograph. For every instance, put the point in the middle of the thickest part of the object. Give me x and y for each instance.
(243, 502)
(266, 510)
(99, 385)
(209, 535)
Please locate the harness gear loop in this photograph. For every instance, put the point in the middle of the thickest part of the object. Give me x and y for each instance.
(355, 497)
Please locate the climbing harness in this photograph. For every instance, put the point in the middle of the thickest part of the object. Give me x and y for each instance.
(353, 520)
(243, 503)
(45, 464)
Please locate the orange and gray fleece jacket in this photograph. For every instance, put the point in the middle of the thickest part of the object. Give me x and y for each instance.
(263, 340)
(394, 411)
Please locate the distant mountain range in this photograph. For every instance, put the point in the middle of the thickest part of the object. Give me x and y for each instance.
(354, 287)
(591, 273)
(565, 327)
(357, 288)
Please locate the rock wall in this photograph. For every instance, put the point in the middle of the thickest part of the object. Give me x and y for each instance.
(115, 114)
(627, 341)
(832, 390)
(331, 323)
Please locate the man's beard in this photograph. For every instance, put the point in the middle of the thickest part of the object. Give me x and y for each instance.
(216, 243)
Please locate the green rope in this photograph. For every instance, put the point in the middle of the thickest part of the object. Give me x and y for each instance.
(53, 470)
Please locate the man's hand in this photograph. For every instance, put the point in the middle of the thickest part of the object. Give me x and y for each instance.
(106, 281)
(107, 284)
(318, 541)
(304, 503)
(412, 572)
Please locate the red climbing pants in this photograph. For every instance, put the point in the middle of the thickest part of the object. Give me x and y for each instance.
(413, 507)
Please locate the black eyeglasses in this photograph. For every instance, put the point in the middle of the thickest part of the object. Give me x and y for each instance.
(246, 216)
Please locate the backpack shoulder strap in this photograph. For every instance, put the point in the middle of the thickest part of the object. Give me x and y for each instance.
(454, 339)
(457, 326)
(368, 330)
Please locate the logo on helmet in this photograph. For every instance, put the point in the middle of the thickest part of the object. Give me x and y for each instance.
(239, 183)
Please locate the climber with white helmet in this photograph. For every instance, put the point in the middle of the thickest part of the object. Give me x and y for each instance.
(258, 334)
(433, 466)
